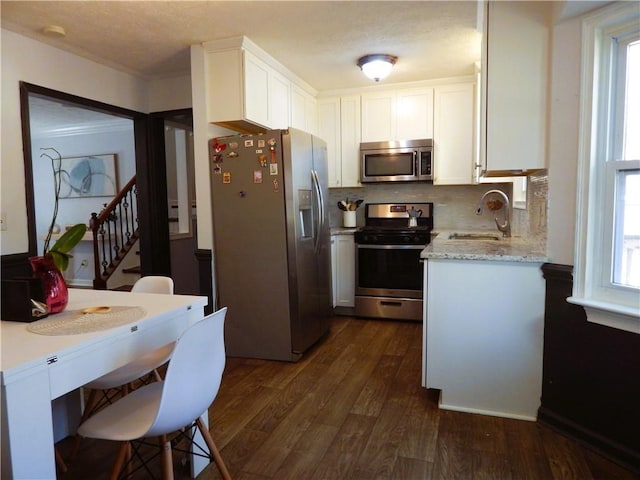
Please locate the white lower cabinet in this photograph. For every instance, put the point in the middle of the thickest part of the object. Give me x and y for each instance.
(343, 262)
(483, 336)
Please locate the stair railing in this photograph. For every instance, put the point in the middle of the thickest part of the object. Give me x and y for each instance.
(115, 231)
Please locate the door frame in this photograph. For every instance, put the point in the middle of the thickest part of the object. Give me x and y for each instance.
(151, 181)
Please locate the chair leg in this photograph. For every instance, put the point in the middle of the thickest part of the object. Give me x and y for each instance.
(167, 458)
(124, 454)
(89, 405)
(157, 375)
(60, 461)
(217, 458)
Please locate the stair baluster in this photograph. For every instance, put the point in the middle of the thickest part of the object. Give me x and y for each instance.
(115, 231)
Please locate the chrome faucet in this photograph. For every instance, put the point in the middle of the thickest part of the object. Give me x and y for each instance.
(505, 228)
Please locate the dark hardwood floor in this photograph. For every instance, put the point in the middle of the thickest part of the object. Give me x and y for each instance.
(353, 408)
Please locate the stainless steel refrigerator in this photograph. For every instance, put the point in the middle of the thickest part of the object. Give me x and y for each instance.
(271, 241)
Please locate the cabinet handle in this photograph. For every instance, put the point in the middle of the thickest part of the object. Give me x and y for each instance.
(390, 304)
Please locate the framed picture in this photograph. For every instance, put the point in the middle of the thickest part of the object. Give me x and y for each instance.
(88, 176)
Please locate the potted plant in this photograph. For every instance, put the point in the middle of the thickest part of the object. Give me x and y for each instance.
(55, 260)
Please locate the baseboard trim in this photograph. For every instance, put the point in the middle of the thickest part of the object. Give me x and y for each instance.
(617, 453)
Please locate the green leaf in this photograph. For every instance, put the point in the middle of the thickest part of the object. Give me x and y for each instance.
(69, 239)
(59, 253)
(60, 259)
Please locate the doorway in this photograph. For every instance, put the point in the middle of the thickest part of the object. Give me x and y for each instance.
(181, 199)
(136, 157)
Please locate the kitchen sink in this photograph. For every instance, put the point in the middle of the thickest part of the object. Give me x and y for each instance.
(473, 236)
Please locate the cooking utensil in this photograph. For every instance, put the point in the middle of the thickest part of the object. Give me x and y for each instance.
(413, 217)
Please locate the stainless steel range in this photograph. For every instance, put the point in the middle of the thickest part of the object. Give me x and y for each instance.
(389, 276)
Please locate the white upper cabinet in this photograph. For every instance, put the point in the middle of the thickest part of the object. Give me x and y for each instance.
(256, 92)
(350, 140)
(404, 114)
(414, 113)
(303, 110)
(378, 116)
(249, 91)
(516, 38)
(279, 101)
(329, 131)
(454, 134)
(339, 126)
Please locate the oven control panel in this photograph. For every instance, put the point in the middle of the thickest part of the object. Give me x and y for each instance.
(364, 237)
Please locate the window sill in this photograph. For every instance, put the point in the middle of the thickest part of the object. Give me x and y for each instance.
(610, 314)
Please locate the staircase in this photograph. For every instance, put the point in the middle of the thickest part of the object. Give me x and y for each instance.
(115, 232)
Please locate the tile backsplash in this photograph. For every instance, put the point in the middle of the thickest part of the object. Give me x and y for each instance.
(454, 206)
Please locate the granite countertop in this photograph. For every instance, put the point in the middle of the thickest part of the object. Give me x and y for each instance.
(513, 249)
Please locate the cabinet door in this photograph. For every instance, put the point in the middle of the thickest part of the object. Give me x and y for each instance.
(346, 274)
(225, 94)
(329, 131)
(414, 114)
(334, 270)
(311, 113)
(350, 141)
(517, 41)
(303, 110)
(298, 113)
(454, 138)
(279, 105)
(256, 89)
(378, 117)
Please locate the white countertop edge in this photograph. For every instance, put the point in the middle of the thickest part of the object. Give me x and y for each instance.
(426, 255)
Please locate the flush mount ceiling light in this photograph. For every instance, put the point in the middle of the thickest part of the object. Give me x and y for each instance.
(54, 31)
(377, 66)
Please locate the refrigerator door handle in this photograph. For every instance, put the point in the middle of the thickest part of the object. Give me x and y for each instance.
(321, 219)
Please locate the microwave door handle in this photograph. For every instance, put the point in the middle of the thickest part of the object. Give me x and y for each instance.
(416, 164)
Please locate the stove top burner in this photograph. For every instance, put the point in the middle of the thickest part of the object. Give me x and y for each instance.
(388, 224)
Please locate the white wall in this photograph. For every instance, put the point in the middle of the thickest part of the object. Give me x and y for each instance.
(563, 140)
(202, 132)
(170, 93)
(34, 62)
(77, 210)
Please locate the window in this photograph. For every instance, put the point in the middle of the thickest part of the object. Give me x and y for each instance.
(607, 267)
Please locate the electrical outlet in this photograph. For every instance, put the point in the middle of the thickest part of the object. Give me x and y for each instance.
(3, 221)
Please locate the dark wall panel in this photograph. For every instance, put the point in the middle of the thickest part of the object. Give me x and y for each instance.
(591, 375)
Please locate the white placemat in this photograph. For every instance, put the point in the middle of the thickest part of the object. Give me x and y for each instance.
(73, 322)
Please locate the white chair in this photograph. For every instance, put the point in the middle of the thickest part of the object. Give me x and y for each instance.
(122, 377)
(158, 409)
(153, 284)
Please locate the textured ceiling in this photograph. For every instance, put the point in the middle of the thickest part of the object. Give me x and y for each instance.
(319, 41)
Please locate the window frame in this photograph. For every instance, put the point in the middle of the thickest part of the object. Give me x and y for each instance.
(605, 303)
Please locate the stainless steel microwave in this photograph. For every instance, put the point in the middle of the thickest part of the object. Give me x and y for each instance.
(396, 161)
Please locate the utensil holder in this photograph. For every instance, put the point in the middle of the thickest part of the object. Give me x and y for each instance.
(349, 218)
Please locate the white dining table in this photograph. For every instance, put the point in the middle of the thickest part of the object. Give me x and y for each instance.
(36, 369)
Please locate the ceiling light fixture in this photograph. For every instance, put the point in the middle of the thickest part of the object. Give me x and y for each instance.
(377, 66)
(54, 31)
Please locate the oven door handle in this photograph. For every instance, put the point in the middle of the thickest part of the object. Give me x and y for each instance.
(392, 247)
